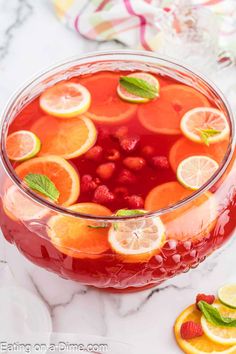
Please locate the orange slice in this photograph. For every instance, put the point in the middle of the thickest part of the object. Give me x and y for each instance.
(137, 241)
(78, 237)
(195, 171)
(65, 99)
(205, 125)
(19, 207)
(106, 105)
(59, 171)
(179, 222)
(22, 145)
(164, 114)
(68, 138)
(184, 148)
(199, 345)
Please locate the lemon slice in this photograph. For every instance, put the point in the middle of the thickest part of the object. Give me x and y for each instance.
(22, 145)
(219, 334)
(137, 241)
(195, 171)
(227, 295)
(205, 125)
(65, 100)
(127, 96)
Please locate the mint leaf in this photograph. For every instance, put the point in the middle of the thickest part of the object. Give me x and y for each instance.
(42, 184)
(139, 87)
(129, 212)
(205, 134)
(102, 226)
(213, 316)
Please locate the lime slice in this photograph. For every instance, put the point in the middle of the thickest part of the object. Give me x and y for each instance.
(127, 96)
(195, 171)
(205, 125)
(22, 145)
(227, 295)
(65, 100)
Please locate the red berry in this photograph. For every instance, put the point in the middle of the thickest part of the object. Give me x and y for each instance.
(207, 298)
(135, 202)
(148, 151)
(103, 195)
(191, 330)
(121, 132)
(129, 143)
(160, 162)
(87, 184)
(106, 170)
(121, 192)
(126, 177)
(134, 163)
(95, 153)
(103, 133)
(113, 155)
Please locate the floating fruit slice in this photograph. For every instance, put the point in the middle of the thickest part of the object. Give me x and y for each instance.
(106, 106)
(22, 145)
(137, 241)
(19, 207)
(127, 96)
(163, 115)
(65, 99)
(78, 237)
(218, 334)
(199, 345)
(59, 171)
(184, 148)
(179, 222)
(68, 138)
(195, 171)
(227, 295)
(205, 125)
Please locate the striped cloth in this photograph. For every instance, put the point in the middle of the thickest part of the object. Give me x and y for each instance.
(136, 23)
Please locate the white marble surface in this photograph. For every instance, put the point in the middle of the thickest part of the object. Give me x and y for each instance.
(31, 38)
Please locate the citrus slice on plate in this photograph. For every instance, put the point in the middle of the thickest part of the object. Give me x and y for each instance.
(164, 114)
(184, 148)
(219, 334)
(78, 237)
(227, 295)
(68, 138)
(106, 105)
(179, 222)
(198, 345)
(195, 171)
(19, 207)
(130, 97)
(137, 240)
(59, 171)
(205, 125)
(65, 100)
(22, 145)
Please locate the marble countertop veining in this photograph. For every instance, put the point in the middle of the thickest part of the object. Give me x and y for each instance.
(31, 39)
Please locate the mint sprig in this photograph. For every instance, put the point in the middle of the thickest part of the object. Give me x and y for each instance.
(42, 184)
(214, 317)
(205, 134)
(139, 87)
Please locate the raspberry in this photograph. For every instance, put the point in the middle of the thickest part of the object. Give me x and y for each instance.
(113, 155)
(121, 192)
(121, 132)
(95, 153)
(106, 170)
(134, 163)
(203, 297)
(148, 151)
(103, 133)
(126, 177)
(103, 195)
(87, 184)
(160, 162)
(135, 202)
(129, 143)
(191, 330)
